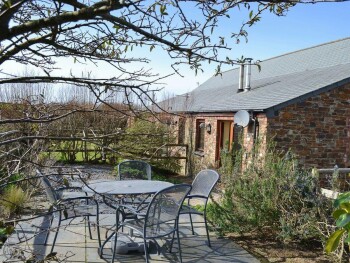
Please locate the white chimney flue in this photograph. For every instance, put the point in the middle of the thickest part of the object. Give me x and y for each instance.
(248, 75)
(241, 78)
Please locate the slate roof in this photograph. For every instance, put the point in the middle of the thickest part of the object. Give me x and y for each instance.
(282, 80)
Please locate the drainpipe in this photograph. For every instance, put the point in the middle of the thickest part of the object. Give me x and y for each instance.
(249, 72)
(255, 133)
(256, 129)
(241, 78)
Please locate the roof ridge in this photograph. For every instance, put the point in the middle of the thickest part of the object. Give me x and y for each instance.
(307, 48)
(295, 51)
(298, 72)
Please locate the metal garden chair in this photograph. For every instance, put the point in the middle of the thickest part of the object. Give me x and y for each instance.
(63, 178)
(202, 186)
(160, 221)
(69, 205)
(134, 170)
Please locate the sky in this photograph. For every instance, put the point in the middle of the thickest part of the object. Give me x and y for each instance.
(305, 25)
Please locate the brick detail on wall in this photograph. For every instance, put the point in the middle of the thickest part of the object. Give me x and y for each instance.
(317, 130)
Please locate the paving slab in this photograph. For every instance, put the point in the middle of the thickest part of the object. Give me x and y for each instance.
(74, 244)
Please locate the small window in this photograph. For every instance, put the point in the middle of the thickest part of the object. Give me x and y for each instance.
(200, 132)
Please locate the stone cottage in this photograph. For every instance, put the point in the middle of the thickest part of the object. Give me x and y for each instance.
(301, 99)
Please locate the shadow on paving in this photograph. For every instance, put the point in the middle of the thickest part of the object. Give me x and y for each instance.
(74, 245)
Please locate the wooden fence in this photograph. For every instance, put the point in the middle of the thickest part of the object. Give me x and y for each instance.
(334, 178)
(104, 153)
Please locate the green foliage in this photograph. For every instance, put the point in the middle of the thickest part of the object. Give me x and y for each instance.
(5, 231)
(3, 236)
(265, 189)
(132, 170)
(13, 199)
(157, 174)
(342, 217)
(75, 153)
(14, 178)
(147, 140)
(9, 181)
(163, 177)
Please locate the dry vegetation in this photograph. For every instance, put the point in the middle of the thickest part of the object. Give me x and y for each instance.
(267, 249)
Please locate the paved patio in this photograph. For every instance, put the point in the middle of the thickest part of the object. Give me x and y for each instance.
(74, 245)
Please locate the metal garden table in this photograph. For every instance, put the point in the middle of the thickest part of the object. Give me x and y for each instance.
(124, 188)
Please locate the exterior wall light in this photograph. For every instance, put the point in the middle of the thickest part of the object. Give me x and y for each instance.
(208, 127)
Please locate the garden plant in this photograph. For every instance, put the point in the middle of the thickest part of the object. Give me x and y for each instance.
(341, 236)
(266, 192)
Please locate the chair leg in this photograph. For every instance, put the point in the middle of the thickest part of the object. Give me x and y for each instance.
(191, 222)
(146, 250)
(89, 226)
(104, 243)
(206, 228)
(115, 245)
(48, 230)
(179, 245)
(56, 234)
(172, 242)
(115, 236)
(98, 229)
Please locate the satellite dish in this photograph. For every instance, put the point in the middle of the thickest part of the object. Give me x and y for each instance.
(242, 118)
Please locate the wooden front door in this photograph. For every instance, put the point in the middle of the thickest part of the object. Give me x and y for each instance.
(224, 137)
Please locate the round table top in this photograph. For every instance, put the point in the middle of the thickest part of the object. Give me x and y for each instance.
(126, 187)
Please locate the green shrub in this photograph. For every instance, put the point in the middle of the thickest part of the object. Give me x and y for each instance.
(341, 236)
(13, 199)
(3, 236)
(157, 174)
(14, 178)
(163, 177)
(5, 231)
(268, 191)
(8, 181)
(146, 140)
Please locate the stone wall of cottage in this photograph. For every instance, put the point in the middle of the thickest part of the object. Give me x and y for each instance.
(207, 158)
(317, 130)
(259, 123)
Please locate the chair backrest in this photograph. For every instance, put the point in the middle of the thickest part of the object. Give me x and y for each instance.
(50, 192)
(134, 170)
(163, 211)
(204, 182)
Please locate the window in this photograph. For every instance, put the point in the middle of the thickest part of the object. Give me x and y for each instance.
(200, 133)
